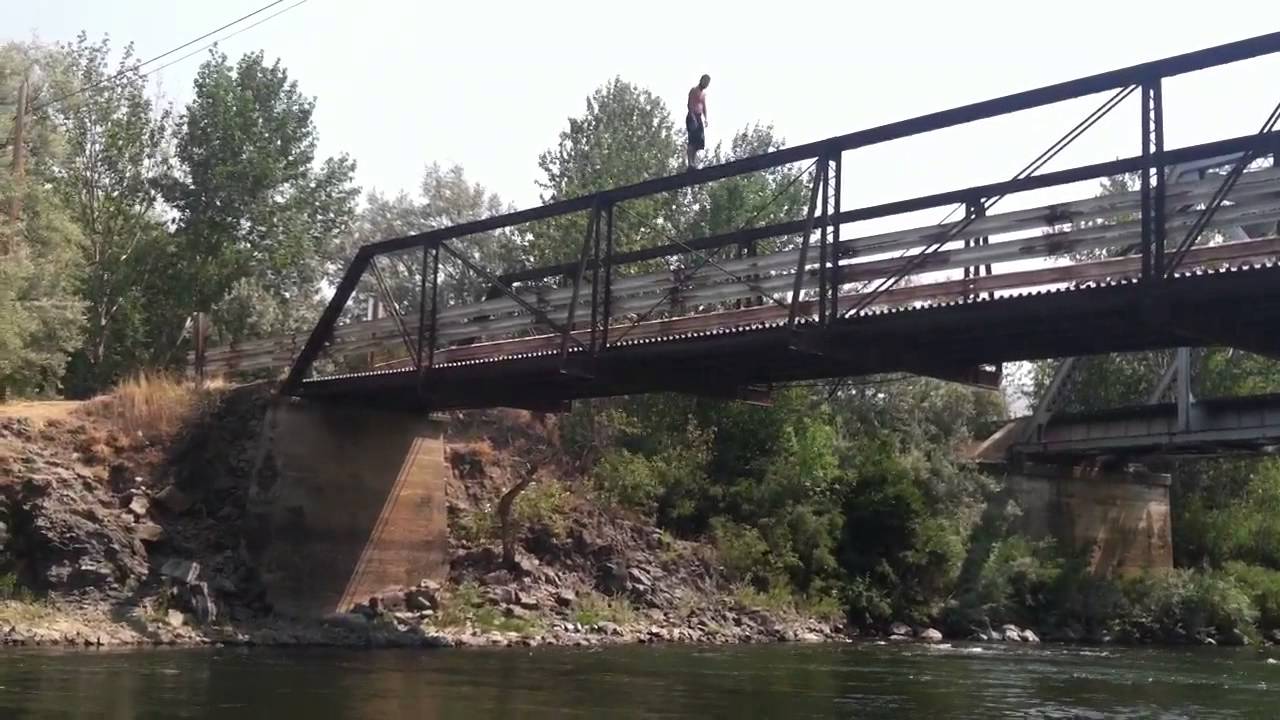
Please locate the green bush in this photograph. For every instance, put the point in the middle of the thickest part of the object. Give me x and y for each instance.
(475, 527)
(12, 589)
(544, 503)
(592, 608)
(867, 602)
(628, 480)
(1180, 605)
(743, 552)
(1015, 582)
(1262, 585)
(1241, 522)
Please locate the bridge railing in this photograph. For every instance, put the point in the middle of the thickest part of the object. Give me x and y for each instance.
(592, 304)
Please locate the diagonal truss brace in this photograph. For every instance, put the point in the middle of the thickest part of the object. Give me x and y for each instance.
(537, 312)
(385, 289)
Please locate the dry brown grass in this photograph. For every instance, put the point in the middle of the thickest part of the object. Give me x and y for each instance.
(152, 407)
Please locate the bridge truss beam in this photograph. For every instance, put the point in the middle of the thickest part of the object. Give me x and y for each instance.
(816, 293)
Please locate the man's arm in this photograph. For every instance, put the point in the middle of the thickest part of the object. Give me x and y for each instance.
(704, 110)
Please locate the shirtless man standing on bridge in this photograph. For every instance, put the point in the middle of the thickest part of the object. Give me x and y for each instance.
(696, 121)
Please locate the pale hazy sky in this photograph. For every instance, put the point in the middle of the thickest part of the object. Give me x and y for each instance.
(489, 85)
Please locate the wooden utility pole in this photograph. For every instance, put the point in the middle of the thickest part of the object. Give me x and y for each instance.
(19, 168)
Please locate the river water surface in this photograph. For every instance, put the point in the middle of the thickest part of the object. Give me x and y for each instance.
(782, 681)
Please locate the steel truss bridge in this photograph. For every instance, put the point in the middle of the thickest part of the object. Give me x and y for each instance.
(1186, 259)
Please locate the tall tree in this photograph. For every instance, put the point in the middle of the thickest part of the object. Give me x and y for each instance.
(625, 136)
(445, 197)
(258, 218)
(40, 315)
(116, 150)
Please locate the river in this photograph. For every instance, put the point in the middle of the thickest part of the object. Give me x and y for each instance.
(782, 681)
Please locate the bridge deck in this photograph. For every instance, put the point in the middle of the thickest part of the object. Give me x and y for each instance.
(796, 299)
(1192, 309)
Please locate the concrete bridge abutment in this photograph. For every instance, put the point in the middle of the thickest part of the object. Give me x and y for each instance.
(1121, 517)
(345, 502)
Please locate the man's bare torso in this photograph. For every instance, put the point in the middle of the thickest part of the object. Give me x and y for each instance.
(697, 102)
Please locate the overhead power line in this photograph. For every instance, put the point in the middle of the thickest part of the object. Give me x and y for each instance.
(228, 36)
(179, 48)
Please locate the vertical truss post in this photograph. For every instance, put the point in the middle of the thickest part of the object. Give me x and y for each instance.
(593, 222)
(825, 180)
(595, 284)
(837, 168)
(820, 172)
(1182, 388)
(608, 274)
(974, 210)
(1152, 180)
(1177, 377)
(422, 306)
(435, 306)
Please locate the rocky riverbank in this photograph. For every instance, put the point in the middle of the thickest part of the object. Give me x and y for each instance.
(118, 537)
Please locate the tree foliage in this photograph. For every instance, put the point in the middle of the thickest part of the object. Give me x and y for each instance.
(258, 217)
(116, 151)
(40, 263)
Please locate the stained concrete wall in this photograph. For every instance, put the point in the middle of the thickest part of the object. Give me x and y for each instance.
(1122, 518)
(346, 502)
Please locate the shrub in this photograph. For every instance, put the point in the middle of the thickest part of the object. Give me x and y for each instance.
(543, 503)
(867, 602)
(475, 527)
(628, 480)
(1179, 605)
(592, 608)
(744, 554)
(1263, 588)
(13, 589)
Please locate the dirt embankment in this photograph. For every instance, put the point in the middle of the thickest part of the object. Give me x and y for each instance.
(116, 532)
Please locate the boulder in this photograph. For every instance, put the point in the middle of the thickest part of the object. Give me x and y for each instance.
(609, 628)
(565, 597)
(390, 600)
(1237, 638)
(1013, 636)
(424, 597)
(1273, 661)
(436, 640)
(611, 577)
(139, 505)
(196, 598)
(899, 638)
(1029, 636)
(148, 532)
(175, 500)
(348, 620)
(175, 618)
(930, 635)
(526, 565)
(516, 612)
(505, 595)
(900, 628)
(183, 571)
(497, 577)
